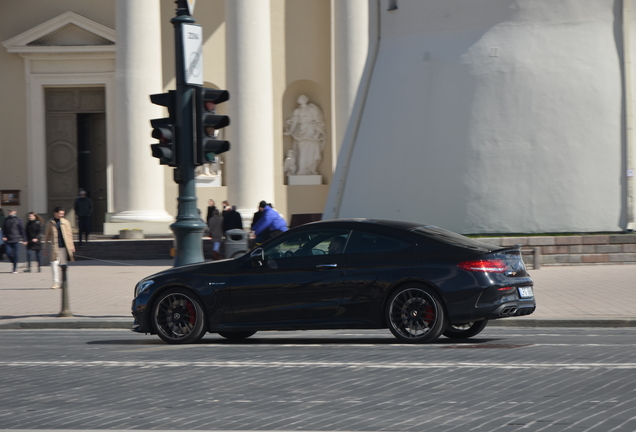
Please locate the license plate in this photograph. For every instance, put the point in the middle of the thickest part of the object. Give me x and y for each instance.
(525, 292)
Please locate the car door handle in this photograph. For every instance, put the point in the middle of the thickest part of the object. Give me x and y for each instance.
(326, 266)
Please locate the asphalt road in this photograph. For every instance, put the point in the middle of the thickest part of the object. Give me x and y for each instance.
(506, 379)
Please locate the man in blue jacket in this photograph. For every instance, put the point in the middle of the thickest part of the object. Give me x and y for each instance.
(270, 224)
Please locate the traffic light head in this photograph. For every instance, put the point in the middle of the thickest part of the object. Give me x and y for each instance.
(211, 147)
(208, 123)
(212, 97)
(163, 129)
(163, 152)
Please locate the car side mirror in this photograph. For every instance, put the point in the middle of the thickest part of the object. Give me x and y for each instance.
(258, 257)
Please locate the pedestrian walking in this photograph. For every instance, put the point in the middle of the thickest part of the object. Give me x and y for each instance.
(231, 218)
(60, 233)
(13, 234)
(2, 253)
(216, 233)
(34, 230)
(270, 224)
(84, 212)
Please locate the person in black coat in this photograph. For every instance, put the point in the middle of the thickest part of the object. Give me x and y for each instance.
(13, 234)
(34, 229)
(84, 212)
(232, 219)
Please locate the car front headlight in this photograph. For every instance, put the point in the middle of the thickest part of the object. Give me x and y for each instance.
(142, 287)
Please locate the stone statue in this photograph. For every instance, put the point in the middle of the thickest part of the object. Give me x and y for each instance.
(289, 166)
(210, 169)
(307, 127)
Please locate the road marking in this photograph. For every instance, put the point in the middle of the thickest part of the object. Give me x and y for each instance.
(390, 344)
(349, 365)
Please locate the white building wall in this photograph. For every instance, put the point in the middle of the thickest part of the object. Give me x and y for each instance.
(490, 116)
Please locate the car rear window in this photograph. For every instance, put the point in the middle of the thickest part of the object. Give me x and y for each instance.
(452, 238)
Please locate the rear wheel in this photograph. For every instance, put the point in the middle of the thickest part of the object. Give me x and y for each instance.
(236, 335)
(178, 317)
(415, 315)
(465, 330)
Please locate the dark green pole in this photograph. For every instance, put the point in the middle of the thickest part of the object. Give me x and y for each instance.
(188, 229)
(66, 309)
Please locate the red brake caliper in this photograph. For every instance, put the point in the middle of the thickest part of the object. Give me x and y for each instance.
(191, 312)
(429, 314)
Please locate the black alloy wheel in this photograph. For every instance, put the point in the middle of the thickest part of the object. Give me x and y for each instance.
(178, 317)
(465, 330)
(236, 335)
(415, 315)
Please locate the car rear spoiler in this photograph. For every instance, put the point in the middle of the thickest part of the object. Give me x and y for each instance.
(509, 248)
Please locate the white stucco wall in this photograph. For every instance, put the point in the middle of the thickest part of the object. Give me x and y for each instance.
(491, 116)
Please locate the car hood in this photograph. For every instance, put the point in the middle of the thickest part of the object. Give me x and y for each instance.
(213, 267)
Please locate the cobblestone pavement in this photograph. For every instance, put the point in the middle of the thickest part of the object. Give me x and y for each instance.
(601, 291)
(506, 379)
(101, 290)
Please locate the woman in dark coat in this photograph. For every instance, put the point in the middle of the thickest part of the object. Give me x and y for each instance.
(34, 239)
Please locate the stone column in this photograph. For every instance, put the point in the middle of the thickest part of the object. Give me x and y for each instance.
(350, 46)
(250, 170)
(138, 179)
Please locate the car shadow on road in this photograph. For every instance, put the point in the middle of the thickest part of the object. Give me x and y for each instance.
(311, 341)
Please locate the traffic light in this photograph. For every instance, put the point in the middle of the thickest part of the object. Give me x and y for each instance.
(208, 124)
(163, 130)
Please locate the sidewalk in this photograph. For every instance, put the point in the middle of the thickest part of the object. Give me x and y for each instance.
(101, 293)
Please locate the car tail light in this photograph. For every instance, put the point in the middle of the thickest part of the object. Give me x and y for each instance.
(485, 266)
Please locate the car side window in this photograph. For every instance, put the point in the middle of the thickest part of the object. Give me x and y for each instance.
(307, 243)
(368, 242)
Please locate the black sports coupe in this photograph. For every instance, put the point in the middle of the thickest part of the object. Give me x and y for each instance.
(420, 281)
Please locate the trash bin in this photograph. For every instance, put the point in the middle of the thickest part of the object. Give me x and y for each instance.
(235, 243)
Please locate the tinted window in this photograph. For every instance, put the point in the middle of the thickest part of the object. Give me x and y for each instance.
(306, 243)
(366, 242)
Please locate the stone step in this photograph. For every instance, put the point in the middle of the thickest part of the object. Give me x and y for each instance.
(132, 249)
(572, 249)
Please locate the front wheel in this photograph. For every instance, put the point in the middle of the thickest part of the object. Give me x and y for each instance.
(415, 315)
(465, 330)
(178, 317)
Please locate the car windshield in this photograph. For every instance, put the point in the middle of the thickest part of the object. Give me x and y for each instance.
(451, 238)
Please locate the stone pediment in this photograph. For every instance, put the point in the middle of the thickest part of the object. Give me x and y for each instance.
(71, 35)
(65, 33)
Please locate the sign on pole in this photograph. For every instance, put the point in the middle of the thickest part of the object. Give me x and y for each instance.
(193, 53)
